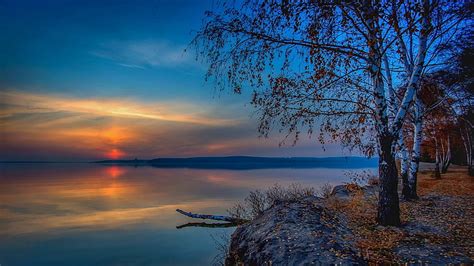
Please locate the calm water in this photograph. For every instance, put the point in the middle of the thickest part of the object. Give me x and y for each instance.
(86, 214)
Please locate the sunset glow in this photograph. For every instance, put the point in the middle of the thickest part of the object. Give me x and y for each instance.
(115, 154)
(40, 125)
(114, 171)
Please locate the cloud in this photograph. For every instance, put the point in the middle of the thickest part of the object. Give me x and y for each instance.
(51, 127)
(145, 53)
(18, 103)
(36, 126)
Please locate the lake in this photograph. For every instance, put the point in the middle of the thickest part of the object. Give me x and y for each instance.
(91, 214)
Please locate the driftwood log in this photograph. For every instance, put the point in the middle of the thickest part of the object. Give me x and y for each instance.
(231, 221)
(208, 225)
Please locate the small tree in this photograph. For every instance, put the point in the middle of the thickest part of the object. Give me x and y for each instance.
(439, 127)
(466, 130)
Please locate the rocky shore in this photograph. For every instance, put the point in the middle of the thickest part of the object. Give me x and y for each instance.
(437, 229)
(294, 233)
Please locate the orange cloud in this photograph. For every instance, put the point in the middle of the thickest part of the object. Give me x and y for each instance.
(99, 128)
(179, 112)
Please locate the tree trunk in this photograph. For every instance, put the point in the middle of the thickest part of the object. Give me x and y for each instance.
(416, 152)
(447, 157)
(470, 153)
(388, 208)
(466, 137)
(404, 177)
(403, 164)
(414, 166)
(437, 173)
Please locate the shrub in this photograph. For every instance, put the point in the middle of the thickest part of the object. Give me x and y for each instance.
(325, 191)
(258, 201)
(361, 178)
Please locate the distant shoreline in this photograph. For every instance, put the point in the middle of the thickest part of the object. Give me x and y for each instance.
(250, 162)
(232, 162)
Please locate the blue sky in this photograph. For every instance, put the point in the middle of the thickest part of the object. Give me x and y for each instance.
(58, 45)
(84, 80)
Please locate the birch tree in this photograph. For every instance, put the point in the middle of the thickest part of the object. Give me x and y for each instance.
(466, 128)
(327, 66)
(440, 130)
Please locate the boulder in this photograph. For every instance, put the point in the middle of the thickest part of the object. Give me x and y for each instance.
(294, 233)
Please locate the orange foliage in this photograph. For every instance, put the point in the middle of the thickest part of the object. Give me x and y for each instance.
(376, 243)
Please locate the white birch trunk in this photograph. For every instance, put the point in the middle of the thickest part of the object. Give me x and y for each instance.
(437, 160)
(416, 152)
(468, 148)
(391, 99)
(470, 154)
(446, 156)
(403, 158)
(404, 163)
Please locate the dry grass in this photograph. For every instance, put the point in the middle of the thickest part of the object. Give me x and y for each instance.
(325, 191)
(376, 243)
(258, 201)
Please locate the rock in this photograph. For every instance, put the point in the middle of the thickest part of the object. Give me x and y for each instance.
(341, 192)
(294, 233)
(371, 190)
(345, 192)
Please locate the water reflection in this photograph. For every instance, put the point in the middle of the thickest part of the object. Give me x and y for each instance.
(86, 214)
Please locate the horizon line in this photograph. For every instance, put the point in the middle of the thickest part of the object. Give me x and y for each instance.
(99, 160)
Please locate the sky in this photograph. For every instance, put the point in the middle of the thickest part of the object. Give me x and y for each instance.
(87, 80)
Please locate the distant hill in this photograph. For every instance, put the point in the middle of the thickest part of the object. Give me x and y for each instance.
(250, 162)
